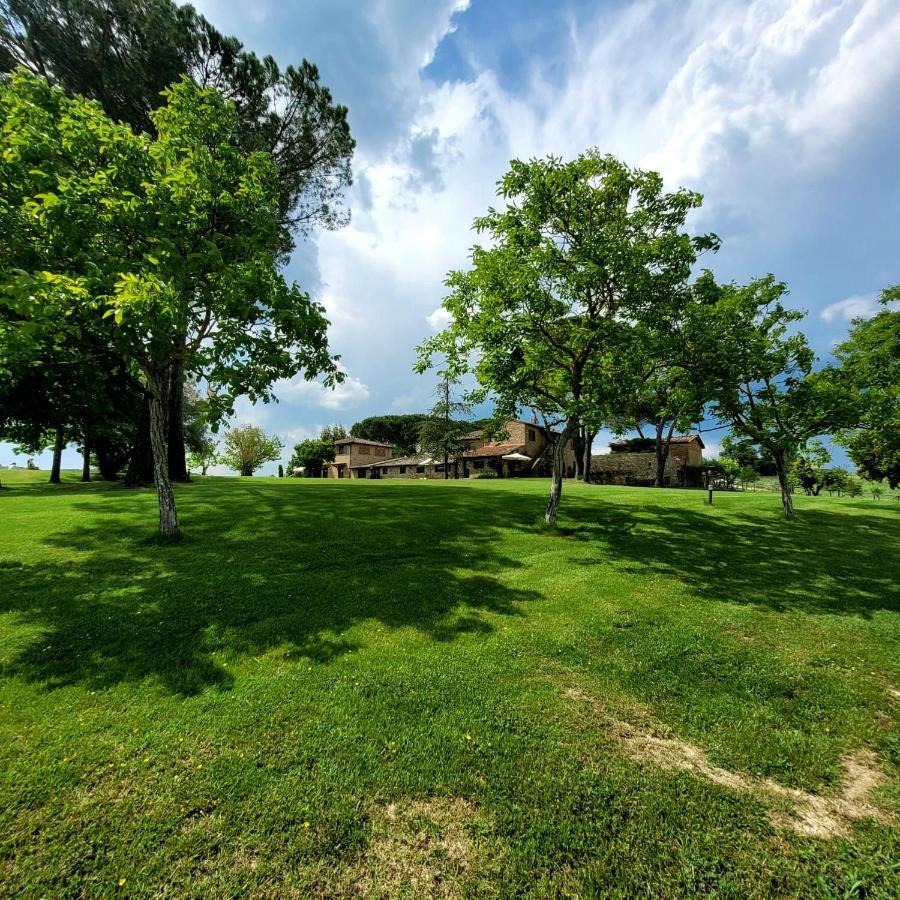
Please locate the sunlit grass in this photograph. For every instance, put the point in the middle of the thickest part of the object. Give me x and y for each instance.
(346, 687)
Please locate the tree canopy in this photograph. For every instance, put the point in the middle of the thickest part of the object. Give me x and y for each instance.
(168, 247)
(247, 447)
(580, 250)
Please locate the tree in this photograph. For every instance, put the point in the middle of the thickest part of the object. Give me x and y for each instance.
(442, 435)
(204, 454)
(177, 241)
(401, 431)
(870, 371)
(124, 54)
(310, 457)
(807, 470)
(247, 447)
(580, 250)
(763, 385)
(333, 433)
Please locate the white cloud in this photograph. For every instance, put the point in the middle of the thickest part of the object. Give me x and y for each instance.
(851, 308)
(349, 393)
(439, 319)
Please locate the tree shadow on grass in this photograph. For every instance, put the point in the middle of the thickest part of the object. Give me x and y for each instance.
(261, 568)
(827, 561)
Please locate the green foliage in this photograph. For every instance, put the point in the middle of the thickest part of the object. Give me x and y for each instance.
(310, 457)
(204, 453)
(126, 53)
(632, 445)
(761, 373)
(402, 431)
(542, 316)
(113, 229)
(441, 435)
(870, 370)
(247, 447)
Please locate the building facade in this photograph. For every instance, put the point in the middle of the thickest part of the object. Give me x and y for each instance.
(352, 454)
(522, 452)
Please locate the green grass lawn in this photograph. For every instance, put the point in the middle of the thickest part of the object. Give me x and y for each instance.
(412, 689)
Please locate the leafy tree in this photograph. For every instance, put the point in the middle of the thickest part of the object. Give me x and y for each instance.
(763, 384)
(853, 487)
(204, 454)
(401, 431)
(124, 53)
(170, 244)
(310, 457)
(280, 470)
(441, 434)
(835, 481)
(870, 370)
(746, 454)
(333, 433)
(247, 447)
(581, 249)
(807, 470)
(747, 475)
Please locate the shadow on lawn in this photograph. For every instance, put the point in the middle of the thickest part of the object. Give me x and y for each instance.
(261, 568)
(827, 561)
(267, 566)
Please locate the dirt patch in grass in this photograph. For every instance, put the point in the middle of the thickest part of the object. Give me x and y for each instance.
(809, 814)
(419, 848)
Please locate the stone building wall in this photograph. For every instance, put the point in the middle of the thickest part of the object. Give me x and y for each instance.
(630, 468)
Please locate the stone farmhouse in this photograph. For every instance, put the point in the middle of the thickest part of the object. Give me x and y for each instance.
(639, 468)
(522, 452)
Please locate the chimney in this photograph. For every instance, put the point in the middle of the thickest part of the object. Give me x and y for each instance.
(533, 417)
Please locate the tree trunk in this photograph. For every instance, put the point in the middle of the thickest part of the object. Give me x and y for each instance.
(578, 448)
(589, 436)
(140, 466)
(446, 466)
(86, 463)
(177, 457)
(246, 472)
(662, 452)
(107, 463)
(58, 446)
(168, 516)
(559, 466)
(786, 500)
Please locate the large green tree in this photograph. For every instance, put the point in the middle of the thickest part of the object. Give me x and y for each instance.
(762, 372)
(579, 251)
(124, 53)
(870, 369)
(169, 246)
(247, 447)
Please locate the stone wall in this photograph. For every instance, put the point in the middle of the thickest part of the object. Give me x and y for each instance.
(630, 468)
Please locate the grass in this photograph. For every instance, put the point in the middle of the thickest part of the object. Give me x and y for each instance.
(410, 688)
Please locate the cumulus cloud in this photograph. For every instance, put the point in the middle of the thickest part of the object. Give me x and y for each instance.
(439, 319)
(849, 309)
(774, 109)
(347, 394)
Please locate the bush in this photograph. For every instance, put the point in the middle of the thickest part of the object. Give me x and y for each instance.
(487, 473)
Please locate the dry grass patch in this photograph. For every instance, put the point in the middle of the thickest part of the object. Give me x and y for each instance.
(809, 814)
(419, 848)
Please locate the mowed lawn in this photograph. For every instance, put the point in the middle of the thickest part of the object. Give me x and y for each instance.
(412, 689)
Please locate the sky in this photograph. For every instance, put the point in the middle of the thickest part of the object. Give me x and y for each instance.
(784, 115)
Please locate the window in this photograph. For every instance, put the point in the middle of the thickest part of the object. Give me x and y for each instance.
(531, 435)
(479, 464)
(384, 470)
(402, 470)
(439, 467)
(420, 470)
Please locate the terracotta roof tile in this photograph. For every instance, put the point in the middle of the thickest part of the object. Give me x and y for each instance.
(490, 450)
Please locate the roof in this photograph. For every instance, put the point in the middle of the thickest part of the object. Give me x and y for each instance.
(398, 461)
(492, 449)
(355, 440)
(687, 439)
(675, 439)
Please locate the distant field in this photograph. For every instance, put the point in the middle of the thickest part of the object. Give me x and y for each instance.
(412, 689)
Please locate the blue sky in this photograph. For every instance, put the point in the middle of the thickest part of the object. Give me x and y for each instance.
(783, 114)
